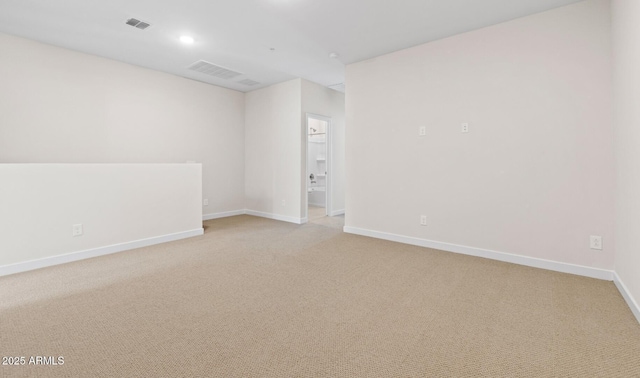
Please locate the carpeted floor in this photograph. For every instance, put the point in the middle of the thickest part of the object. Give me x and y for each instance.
(260, 298)
(314, 213)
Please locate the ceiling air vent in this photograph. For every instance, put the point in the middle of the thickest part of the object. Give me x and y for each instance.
(213, 70)
(248, 82)
(137, 23)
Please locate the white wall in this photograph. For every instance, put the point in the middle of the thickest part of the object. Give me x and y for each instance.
(534, 176)
(626, 58)
(320, 100)
(117, 204)
(275, 147)
(61, 106)
(273, 151)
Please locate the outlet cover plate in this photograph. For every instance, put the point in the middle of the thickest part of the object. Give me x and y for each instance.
(77, 230)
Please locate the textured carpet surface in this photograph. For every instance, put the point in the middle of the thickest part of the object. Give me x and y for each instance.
(259, 298)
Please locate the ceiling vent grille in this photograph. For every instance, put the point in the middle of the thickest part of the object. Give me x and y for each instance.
(248, 82)
(213, 70)
(137, 23)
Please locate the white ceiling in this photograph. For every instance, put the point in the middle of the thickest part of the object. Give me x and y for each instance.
(239, 34)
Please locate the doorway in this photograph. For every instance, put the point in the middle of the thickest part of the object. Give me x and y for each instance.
(318, 177)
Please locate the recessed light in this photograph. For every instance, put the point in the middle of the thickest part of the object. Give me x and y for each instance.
(186, 39)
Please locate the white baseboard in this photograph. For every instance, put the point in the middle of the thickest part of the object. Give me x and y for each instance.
(493, 255)
(283, 218)
(633, 305)
(261, 214)
(95, 252)
(223, 214)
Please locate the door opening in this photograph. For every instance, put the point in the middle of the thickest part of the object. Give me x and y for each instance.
(318, 177)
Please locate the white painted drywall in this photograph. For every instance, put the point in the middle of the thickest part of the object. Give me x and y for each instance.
(533, 177)
(327, 102)
(626, 83)
(115, 203)
(273, 151)
(275, 147)
(62, 106)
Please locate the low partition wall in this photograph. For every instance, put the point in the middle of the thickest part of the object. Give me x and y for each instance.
(55, 213)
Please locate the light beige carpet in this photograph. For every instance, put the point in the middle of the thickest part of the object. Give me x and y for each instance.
(260, 298)
(316, 212)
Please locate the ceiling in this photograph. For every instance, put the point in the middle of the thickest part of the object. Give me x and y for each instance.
(268, 41)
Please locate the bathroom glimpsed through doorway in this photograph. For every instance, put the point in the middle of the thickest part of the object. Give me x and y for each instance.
(318, 176)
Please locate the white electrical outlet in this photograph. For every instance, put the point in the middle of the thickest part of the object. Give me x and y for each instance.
(284, 203)
(77, 229)
(423, 220)
(465, 127)
(422, 131)
(596, 242)
(205, 202)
